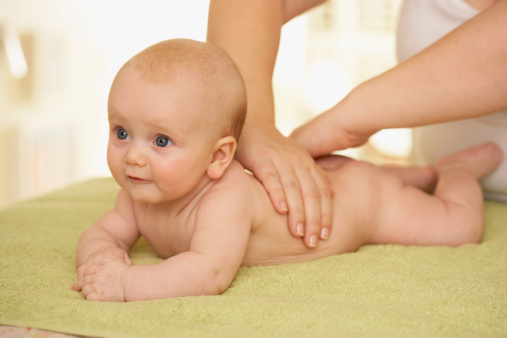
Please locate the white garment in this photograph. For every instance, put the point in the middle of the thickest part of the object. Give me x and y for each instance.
(422, 22)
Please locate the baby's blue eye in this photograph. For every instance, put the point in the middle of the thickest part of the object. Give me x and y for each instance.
(122, 134)
(163, 141)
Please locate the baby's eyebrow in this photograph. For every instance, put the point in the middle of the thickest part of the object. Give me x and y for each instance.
(160, 129)
(116, 117)
(112, 116)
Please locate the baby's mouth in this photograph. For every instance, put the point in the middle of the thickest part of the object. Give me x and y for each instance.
(137, 179)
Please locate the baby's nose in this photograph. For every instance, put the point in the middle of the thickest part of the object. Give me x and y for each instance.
(135, 155)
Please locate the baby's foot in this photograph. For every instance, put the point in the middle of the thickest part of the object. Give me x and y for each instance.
(480, 160)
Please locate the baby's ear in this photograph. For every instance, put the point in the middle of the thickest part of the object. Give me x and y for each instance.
(222, 157)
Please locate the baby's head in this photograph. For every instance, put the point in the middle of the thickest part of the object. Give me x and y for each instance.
(205, 70)
(175, 112)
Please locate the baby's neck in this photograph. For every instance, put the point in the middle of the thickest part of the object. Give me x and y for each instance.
(187, 202)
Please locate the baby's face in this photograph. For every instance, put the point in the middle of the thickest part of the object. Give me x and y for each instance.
(159, 146)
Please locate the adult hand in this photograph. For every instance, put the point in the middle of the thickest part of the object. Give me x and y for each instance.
(294, 182)
(329, 132)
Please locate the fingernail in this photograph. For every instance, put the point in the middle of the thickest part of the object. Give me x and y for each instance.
(313, 241)
(300, 229)
(324, 233)
(283, 206)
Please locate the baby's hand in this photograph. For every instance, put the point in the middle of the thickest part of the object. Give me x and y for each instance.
(100, 258)
(108, 255)
(104, 282)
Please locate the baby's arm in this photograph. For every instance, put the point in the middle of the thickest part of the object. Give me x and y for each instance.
(109, 239)
(217, 248)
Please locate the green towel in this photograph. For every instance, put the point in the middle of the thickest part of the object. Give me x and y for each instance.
(381, 290)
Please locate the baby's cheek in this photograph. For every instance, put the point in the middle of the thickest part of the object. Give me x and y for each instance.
(114, 164)
(172, 185)
(110, 158)
(164, 176)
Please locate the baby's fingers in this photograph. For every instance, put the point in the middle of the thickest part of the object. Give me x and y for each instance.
(76, 286)
(94, 296)
(127, 260)
(89, 288)
(81, 283)
(81, 271)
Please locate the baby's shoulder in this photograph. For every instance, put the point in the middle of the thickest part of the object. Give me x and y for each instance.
(236, 174)
(230, 196)
(236, 184)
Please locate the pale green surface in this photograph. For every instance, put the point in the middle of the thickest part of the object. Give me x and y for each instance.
(378, 291)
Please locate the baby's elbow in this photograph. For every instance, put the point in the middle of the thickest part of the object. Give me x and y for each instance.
(471, 234)
(218, 281)
(476, 233)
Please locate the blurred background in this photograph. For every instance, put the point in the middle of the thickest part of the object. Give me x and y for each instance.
(59, 57)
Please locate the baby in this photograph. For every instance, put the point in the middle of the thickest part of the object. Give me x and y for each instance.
(176, 110)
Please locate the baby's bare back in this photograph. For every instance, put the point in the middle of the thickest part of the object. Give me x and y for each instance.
(271, 243)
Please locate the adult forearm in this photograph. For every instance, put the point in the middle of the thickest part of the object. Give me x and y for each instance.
(462, 75)
(249, 31)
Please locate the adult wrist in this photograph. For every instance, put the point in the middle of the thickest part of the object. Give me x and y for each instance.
(355, 116)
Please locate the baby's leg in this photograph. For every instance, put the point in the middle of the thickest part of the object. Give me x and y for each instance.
(421, 177)
(459, 173)
(453, 216)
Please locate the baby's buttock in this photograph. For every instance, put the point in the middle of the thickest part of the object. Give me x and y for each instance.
(360, 191)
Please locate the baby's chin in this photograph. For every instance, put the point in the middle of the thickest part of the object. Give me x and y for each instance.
(142, 194)
(141, 200)
(145, 198)
(151, 198)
